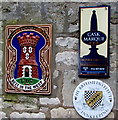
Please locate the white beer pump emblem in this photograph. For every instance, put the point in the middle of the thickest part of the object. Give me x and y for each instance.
(93, 99)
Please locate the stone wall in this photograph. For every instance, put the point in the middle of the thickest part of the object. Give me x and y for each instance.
(64, 18)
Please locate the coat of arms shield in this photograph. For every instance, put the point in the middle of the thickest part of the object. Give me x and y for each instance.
(27, 59)
(93, 98)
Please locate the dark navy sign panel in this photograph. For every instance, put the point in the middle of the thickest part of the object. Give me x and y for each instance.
(92, 37)
(94, 41)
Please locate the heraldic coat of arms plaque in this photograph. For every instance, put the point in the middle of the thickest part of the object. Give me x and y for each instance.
(27, 61)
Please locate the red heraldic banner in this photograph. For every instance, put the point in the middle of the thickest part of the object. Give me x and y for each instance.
(28, 59)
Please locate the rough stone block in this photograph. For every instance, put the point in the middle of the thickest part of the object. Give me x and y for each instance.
(54, 87)
(27, 115)
(55, 74)
(64, 113)
(69, 84)
(1, 104)
(49, 101)
(37, 115)
(67, 57)
(73, 114)
(27, 99)
(22, 98)
(24, 107)
(73, 28)
(68, 42)
(44, 109)
(1, 56)
(2, 115)
(59, 113)
(0, 86)
(1, 27)
(7, 105)
(110, 116)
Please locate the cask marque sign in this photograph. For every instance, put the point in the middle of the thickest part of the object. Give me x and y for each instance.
(27, 61)
(94, 41)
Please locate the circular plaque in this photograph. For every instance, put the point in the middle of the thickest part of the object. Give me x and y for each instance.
(93, 99)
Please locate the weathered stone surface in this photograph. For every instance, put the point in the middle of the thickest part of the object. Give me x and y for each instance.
(111, 115)
(73, 114)
(73, 28)
(22, 98)
(64, 113)
(70, 12)
(55, 15)
(7, 105)
(54, 87)
(1, 31)
(66, 57)
(113, 30)
(17, 115)
(55, 74)
(59, 113)
(0, 13)
(114, 19)
(26, 99)
(69, 84)
(49, 101)
(25, 106)
(68, 42)
(27, 115)
(2, 115)
(1, 104)
(0, 86)
(1, 57)
(44, 109)
(37, 115)
(9, 97)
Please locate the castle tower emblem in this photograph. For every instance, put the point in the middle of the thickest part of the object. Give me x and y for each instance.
(28, 59)
(28, 66)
